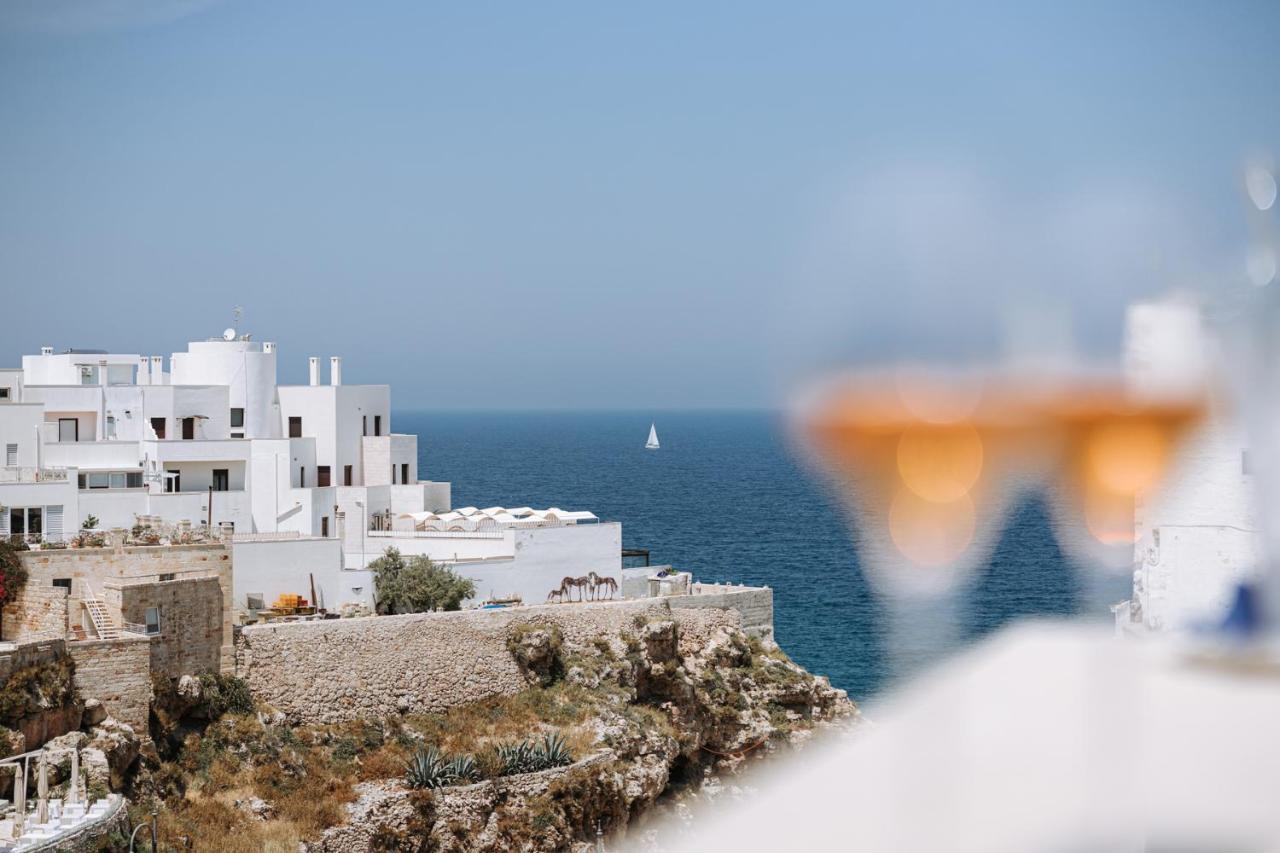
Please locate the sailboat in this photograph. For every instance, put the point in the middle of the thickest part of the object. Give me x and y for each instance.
(652, 443)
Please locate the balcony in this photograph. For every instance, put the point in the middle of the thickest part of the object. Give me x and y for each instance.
(31, 474)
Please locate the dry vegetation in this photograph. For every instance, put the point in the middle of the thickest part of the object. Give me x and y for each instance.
(250, 782)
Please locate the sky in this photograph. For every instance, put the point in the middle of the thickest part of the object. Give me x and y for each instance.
(587, 205)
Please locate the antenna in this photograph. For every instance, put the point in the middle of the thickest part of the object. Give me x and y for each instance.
(237, 312)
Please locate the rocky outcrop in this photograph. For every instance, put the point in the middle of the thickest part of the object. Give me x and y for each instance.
(109, 753)
(667, 708)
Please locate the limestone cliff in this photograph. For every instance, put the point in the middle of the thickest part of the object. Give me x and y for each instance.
(643, 708)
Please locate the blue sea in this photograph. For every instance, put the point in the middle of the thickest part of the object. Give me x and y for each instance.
(726, 498)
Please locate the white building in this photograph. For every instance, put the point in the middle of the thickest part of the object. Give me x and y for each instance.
(1196, 537)
(309, 480)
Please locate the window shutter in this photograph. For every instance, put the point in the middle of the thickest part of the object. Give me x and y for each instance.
(4, 523)
(11, 455)
(53, 521)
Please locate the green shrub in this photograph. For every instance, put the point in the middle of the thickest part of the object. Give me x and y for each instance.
(225, 694)
(427, 769)
(13, 574)
(416, 585)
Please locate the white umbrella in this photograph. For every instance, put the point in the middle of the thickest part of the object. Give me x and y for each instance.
(42, 790)
(73, 793)
(19, 800)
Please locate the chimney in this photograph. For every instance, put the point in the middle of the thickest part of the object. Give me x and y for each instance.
(157, 370)
(335, 370)
(46, 350)
(144, 370)
(314, 364)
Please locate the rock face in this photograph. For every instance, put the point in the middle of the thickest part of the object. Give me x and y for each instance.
(109, 753)
(668, 705)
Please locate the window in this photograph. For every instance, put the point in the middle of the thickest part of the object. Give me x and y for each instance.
(99, 480)
(188, 428)
(364, 424)
(221, 479)
(133, 480)
(64, 583)
(157, 426)
(119, 479)
(111, 426)
(377, 424)
(237, 418)
(237, 435)
(68, 429)
(302, 477)
(166, 576)
(322, 476)
(295, 427)
(152, 620)
(393, 474)
(11, 455)
(324, 526)
(346, 475)
(4, 394)
(404, 473)
(172, 481)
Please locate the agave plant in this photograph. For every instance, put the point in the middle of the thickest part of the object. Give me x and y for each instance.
(520, 757)
(554, 752)
(427, 769)
(462, 770)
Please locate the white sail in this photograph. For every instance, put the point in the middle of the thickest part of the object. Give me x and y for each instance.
(652, 443)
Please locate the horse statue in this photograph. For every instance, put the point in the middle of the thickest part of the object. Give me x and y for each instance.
(556, 595)
(599, 583)
(580, 583)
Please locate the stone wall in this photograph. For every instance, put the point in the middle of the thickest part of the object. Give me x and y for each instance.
(191, 635)
(38, 611)
(342, 669)
(754, 604)
(23, 655)
(46, 610)
(118, 673)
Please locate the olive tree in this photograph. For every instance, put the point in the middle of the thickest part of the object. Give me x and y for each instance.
(416, 584)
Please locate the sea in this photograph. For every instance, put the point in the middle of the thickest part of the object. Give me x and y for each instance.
(727, 498)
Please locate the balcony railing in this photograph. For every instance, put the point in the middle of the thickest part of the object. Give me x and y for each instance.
(31, 474)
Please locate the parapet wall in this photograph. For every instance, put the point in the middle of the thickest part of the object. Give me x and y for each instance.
(342, 669)
(753, 604)
(117, 673)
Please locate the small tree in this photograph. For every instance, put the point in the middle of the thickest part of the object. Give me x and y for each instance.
(416, 585)
(13, 574)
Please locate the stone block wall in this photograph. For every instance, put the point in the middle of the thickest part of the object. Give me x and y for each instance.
(42, 607)
(40, 610)
(337, 670)
(191, 635)
(754, 604)
(24, 655)
(118, 673)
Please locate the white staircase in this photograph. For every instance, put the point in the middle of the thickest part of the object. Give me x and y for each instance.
(98, 615)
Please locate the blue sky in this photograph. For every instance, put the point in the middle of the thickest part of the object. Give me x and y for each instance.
(617, 205)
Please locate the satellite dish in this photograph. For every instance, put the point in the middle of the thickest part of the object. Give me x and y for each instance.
(229, 335)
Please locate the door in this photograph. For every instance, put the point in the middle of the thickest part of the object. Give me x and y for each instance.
(221, 479)
(188, 428)
(157, 425)
(295, 427)
(68, 429)
(324, 526)
(322, 476)
(346, 475)
(172, 481)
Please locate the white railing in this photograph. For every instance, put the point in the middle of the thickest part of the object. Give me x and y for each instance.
(134, 628)
(437, 534)
(269, 536)
(32, 474)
